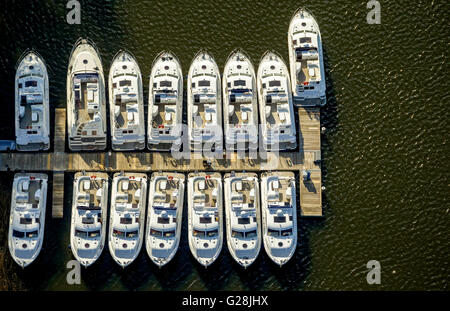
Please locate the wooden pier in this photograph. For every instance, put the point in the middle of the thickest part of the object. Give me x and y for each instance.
(306, 158)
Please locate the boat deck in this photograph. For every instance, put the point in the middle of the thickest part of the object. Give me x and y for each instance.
(307, 157)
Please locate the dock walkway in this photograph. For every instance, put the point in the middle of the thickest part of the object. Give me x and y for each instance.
(306, 158)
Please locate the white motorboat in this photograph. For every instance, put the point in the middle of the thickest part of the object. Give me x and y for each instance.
(165, 102)
(89, 216)
(126, 103)
(243, 216)
(275, 104)
(279, 215)
(164, 217)
(127, 216)
(27, 217)
(306, 59)
(204, 102)
(32, 117)
(205, 216)
(86, 100)
(240, 103)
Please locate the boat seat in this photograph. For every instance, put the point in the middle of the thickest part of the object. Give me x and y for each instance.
(99, 193)
(122, 197)
(289, 192)
(25, 185)
(163, 185)
(268, 110)
(311, 72)
(125, 185)
(282, 116)
(130, 116)
(239, 186)
(37, 195)
(137, 194)
(252, 193)
(116, 110)
(168, 116)
(22, 198)
(194, 110)
(244, 116)
(199, 197)
(230, 110)
(208, 116)
(34, 117)
(273, 196)
(155, 110)
(276, 184)
(214, 193)
(83, 197)
(201, 185)
(87, 185)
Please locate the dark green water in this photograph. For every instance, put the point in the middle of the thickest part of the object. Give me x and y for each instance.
(386, 165)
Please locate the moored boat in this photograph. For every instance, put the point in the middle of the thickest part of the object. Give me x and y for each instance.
(127, 216)
(276, 109)
(306, 59)
(165, 102)
(240, 103)
(164, 217)
(32, 116)
(86, 100)
(205, 216)
(89, 216)
(126, 103)
(243, 217)
(279, 215)
(204, 102)
(27, 217)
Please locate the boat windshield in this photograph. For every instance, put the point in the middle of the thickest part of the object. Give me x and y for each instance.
(18, 234)
(274, 83)
(244, 220)
(239, 83)
(279, 219)
(132, 234)
(212, 233)
(169, 234)
(251, 234)
(80, 233)
(198, 233)
(286, 232)
(117, 233)
(94, 234)
(271, 232)
(32, 234)
(155, 233)
(237, 234)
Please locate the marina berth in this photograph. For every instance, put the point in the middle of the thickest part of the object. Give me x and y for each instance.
(165, 102)
(32, 117)
(243, 217)
(275, 104)
(279, 215)
(127, 216)
(204, 102)
(27, 217)
(164, 217)
(205, 212)
(89, 216)
(240, 103)
(126, 103)
(86, 101)
(306, 59)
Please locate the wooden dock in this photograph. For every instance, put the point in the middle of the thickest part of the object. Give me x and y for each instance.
(58, 195)
(306, 158)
